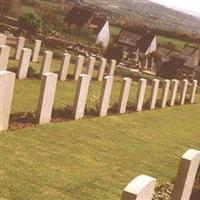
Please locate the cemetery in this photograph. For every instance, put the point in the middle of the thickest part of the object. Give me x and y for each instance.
(75, 129)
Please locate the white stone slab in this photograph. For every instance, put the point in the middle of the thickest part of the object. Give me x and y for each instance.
(186, 175)
(36, 50)
(140, 188)
(4, 57)
(140, 94)
(173, 94)
(78, 67)
(124, 94)
(7, 83)
(24, 63)
(154, 94)
(64, 66)
(20, 46)
(46, 98)
(101, 71)
(46, 64)
(81, 96)
(105, 95)
(165, 92)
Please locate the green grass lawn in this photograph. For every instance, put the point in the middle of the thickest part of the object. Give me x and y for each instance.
(114, 31)
(93, 158)
(179, 44)
(27, 91)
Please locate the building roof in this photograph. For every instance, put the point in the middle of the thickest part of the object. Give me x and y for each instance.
(133, 37)
(79, 16)
(97, 23)
(190, 62)
(178, 55)
(162, 51)
(189, 50)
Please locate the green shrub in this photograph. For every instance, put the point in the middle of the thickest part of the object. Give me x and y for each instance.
(31, 22)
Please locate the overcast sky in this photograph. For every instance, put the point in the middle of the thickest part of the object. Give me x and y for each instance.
(184, 5)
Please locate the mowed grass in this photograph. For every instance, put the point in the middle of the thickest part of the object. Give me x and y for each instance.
(27, 91)
(179, 44)
(93, 158)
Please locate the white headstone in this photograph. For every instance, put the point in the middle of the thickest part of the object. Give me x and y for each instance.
(154, 94)
(2, 39)
(101, 69)
(20, 46)
(140, 188)
(124, 94)
(173, 92)
(36, 50)
(78, 67)
(112, 68)
(24, 63)
(64, 66)
(46, 64)
(4, 57)
(165, 93)
(183, 91)
(81, 96)
(105, 95)
(7, 83)
(140, 94)
(186, 175)
(90, 68)
(46, 98)
(194, 89)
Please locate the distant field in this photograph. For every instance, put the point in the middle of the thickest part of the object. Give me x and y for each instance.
(178, 43)
(114, 31)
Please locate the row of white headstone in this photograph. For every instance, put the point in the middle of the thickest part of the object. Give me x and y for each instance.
(48, 89)
(142, 187)
(25, 55)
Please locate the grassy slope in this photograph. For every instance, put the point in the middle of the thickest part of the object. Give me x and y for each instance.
(91, 158)
(179, 44)
(96, 158)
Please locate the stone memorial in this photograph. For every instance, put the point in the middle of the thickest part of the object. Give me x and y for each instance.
(140, 188)
(46, 97)
(24, 63)
(7, 83)
(194, 89)
(64, 66)
(112, 68)
(4, 57)
(140, 94)
(46, 64)
(36, 50)
(90, 68)
(78, 67)
(165, 92)
(124, 94)
(20, 46)
(154, 94)
(183, 91)
(101, 71)
(186, 175)
(81, 96)
(173, 92)
(105, 95)
(2, 39)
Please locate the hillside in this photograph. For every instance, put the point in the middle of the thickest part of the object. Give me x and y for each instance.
(148, 13)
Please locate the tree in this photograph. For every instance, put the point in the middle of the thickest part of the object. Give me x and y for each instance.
(31, 22)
